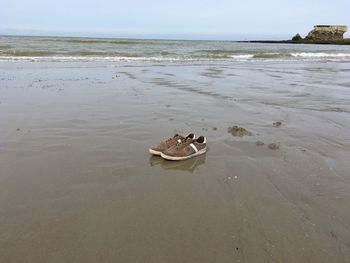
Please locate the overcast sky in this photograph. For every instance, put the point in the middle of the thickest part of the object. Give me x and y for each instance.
(189, 19)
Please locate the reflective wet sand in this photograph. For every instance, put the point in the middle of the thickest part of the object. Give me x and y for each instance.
(77, 183)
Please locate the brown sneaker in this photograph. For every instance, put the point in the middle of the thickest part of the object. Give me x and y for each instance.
(164, 145)
(186, 149)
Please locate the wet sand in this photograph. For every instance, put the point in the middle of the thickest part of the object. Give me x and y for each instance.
(77, 183)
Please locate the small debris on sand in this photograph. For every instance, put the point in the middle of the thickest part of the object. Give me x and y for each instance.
(214, 128)
(273, 146)
(18, 129)
(238, 131)
(277, 124)
(259, 143)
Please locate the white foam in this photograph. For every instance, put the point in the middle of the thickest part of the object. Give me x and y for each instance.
(320, 55)
(115, 58)
(243, 56)
(236, 57)
(83, 58)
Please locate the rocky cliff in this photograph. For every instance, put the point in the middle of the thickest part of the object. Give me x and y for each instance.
(327, 32)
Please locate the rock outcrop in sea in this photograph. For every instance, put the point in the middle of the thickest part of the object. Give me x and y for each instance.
(297, 37)
(323, 34)
(327, 32)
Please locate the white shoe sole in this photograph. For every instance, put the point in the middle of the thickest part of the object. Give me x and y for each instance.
(154, 152)
(174, 158)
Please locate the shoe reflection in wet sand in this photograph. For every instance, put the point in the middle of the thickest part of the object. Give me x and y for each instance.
(188, 165)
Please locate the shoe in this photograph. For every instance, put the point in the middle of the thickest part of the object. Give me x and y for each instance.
(186, 149)
(164, 145)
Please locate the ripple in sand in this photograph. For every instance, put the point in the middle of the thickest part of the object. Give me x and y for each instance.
(128, 74)
(212, 73)
(187, 88)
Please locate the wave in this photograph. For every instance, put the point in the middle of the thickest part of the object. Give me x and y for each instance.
(272, 55)
(227, 54)
(23, 53)
(243, 56)
(5, 46)
(82, 53)
(279, 56)
(320, 55)
(87, 41)
(86, 58)
(164, 56)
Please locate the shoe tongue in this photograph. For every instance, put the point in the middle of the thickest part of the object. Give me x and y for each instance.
(188, 139)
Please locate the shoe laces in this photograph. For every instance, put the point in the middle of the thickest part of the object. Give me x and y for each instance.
(168, 140)
(187, 140)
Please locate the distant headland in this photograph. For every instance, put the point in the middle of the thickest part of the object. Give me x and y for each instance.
(321, 34)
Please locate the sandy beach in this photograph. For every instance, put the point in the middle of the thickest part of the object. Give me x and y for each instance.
(77, 183)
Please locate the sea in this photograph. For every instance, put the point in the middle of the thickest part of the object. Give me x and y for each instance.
(29, 48)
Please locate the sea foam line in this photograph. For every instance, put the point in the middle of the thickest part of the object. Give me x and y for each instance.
(236, 57)
(320, 55)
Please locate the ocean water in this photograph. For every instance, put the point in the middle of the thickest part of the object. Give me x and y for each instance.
(13, 48)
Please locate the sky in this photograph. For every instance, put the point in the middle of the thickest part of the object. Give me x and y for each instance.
(175, 19)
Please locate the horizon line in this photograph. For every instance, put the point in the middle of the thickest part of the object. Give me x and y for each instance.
(171, 37)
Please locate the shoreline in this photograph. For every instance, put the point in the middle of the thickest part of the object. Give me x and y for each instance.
(329, 42)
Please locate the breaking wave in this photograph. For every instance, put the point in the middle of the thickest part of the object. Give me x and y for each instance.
(164, 56)
(320, 55)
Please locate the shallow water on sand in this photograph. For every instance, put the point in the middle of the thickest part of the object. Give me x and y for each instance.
(78, 185)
